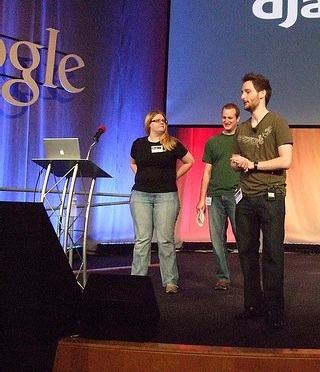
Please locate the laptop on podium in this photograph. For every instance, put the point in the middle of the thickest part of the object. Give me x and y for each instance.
(62, 148)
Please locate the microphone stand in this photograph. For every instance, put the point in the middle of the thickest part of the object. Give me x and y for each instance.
(90, 148)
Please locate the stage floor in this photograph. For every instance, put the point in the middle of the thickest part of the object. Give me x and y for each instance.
(200, 315)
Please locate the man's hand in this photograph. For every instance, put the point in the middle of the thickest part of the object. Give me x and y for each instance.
(239, 162)
(201, 206)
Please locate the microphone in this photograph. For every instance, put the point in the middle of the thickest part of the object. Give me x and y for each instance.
(101, 130)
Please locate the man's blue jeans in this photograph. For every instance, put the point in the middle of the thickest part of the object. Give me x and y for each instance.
(253, 214)
(155, 212)
(220, 209)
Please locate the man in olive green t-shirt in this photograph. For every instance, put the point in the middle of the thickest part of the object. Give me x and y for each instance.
(262, 151)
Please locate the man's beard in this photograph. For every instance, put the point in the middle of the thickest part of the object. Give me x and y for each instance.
(250, 107)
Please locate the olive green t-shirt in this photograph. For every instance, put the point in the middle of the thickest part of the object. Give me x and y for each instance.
(259, 144)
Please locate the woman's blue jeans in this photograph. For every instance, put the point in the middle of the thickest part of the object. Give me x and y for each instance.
(220, 209)
(155, 212)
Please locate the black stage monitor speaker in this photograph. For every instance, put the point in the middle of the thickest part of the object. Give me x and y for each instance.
(40, 297)
(119, 307)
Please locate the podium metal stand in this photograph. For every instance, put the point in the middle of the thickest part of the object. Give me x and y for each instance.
(66, 172)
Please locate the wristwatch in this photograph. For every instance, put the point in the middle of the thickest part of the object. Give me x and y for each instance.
(255, 165)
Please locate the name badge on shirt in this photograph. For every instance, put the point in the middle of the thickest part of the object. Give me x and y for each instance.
(238, 195)
(155, 149)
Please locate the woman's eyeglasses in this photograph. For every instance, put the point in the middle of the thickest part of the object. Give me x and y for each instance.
(159, 121)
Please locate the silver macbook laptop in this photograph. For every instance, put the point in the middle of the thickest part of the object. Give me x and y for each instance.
(62, 148)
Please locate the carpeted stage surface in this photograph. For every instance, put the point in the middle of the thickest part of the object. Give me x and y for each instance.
(200, 315)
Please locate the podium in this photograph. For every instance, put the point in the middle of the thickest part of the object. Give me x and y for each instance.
(65, 173)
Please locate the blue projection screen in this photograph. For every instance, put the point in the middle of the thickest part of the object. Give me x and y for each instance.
(213, 43)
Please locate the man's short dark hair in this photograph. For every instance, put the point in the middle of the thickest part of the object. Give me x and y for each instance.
(260, 83)
(232, 106)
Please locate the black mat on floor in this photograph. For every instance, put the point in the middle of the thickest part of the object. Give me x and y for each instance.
(200, 315)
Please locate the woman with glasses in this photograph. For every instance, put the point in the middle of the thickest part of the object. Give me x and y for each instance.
(154, 201)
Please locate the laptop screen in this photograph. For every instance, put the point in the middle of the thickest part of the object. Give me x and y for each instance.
(62, 148)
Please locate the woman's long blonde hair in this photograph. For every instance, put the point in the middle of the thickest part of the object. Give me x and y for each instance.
(168, 142)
